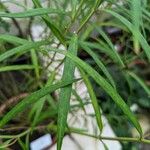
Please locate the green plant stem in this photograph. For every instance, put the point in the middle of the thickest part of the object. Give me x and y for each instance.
(121, 139)
(127, 139)
(80, 132)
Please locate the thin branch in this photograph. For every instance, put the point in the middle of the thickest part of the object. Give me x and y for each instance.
(121, 139)
(72, 130)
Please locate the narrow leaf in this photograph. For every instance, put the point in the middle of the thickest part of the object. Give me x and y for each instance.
(16, 67)
(21, 49)
(12, 39)
(99, 63)
(103, 48)
(65, 93)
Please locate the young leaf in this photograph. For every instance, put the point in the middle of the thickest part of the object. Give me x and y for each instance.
(65, 93)
(22, 144)
(6, 144)
(36, 110)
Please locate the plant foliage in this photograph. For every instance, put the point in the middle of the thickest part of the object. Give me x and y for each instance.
(106, 40)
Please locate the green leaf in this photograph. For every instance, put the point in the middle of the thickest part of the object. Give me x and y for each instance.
(22, 49)
(12, 39)
(31, 13)
(31, 99)
(93, 99)
(16, 67)
(65, 93)
(99, 63)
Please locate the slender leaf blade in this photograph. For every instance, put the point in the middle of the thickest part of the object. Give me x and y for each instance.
(65, 93)
(16, 67)
(99, 63)
(12, 39)
(21, 49)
